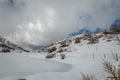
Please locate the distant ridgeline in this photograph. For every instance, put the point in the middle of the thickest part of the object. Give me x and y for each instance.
(83, 31)
(7, 46)
(115, 27)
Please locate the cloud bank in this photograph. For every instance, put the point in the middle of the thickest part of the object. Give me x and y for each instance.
(39, 22)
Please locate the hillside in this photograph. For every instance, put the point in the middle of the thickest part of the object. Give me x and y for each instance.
(7, 46)
(86, 54)
(66, 59)
(83, 40)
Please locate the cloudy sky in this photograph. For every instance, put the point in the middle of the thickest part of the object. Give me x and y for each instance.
(44, 21)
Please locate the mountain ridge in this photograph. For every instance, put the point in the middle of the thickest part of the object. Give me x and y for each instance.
(67, 45)
(84, 30)
(7, 46)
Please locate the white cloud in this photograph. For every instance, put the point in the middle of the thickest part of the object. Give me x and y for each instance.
(45, 21)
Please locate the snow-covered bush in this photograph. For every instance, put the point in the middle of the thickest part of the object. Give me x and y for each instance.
(77, 40)
(52, 49)
(92, 41)
(62, 56)
(59, 50)
(108, 40)
(5, 50)
(50, 55)
(64, 43)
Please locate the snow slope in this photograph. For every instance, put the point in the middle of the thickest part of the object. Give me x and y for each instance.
(81, 58)
(87, 58)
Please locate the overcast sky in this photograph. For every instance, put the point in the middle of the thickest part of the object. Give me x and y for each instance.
(39, 22)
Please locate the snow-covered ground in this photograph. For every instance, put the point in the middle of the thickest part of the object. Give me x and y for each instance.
(16, 66)
(87, 59)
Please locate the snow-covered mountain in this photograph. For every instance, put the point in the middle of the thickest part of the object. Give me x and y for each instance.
(83, 53)
(89, 40)
(7, 46)
(66, 59)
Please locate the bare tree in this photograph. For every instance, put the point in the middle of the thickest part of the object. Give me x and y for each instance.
(115, 27)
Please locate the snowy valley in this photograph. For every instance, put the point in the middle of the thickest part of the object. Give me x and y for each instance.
(67, 59)
(59, 39)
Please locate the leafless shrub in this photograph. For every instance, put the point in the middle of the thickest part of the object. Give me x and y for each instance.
(111, 32)
(77, 40)
(49, 50)
(64, 44)
(70, 40)
(87, 77)
(109, 37)
(86, 36)
(115, 27)
(62, 56)
(52, 49)
(51, 55)
(108, 40)
(110, 68)
(105, 32)
(93, 41)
